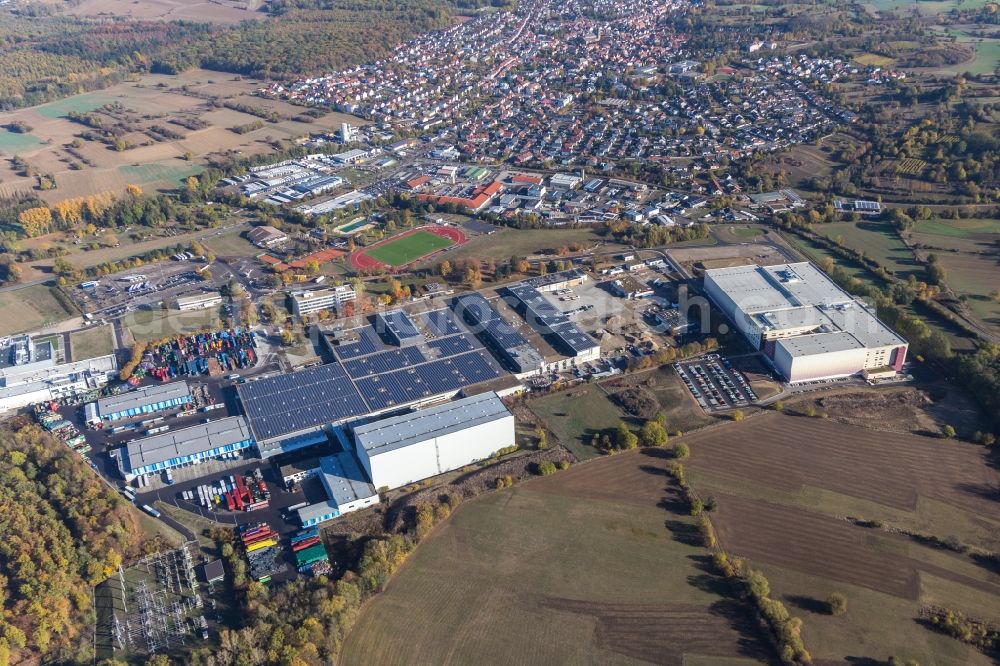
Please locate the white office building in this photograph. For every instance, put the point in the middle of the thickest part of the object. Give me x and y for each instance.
(306, 302)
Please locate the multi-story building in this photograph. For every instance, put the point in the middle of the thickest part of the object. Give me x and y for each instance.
(306, 302)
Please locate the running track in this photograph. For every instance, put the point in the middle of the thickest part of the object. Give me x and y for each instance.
(361, 262)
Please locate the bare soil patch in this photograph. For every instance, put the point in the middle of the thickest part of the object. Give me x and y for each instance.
(889, 468)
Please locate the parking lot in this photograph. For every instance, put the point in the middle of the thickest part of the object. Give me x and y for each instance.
(715, 384)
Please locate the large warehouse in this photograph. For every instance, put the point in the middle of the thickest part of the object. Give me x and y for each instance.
(184, 447)
(30, 373)
(146, 400)
(400, 362)
(804, 323)
(403, 449)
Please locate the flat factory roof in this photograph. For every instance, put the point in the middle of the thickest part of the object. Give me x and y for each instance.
(401, 431)
(299, 401)
(794, 296)
(134, 399)
(758, 289)
(187, 441)
(343, 479)
(819, 343)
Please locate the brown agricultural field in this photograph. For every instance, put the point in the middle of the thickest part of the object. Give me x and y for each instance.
(821, 507)
(213, 11)
(155, 161)
(894, 470)
(591, 565)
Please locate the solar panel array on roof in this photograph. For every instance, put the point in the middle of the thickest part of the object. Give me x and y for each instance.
(440, 322)
(547, 318)
(384, 361)
(368, 343)
(478, 312)
(300, 400)
(422, 381)
(455, 344)
(398, 326)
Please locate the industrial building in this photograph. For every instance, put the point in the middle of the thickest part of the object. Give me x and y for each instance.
(498, 335)
(552, 322)
(30, 373)
(403, 449)
(807, 326)
(345, 486)
(184, 447)
(399, 327)
(265, 236)
(143, 401)
(399, 363)
(199, 301)
(307, 302)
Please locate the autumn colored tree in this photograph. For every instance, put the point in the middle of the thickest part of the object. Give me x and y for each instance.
(35, 221)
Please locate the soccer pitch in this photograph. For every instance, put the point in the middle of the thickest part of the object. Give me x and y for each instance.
(408, 248)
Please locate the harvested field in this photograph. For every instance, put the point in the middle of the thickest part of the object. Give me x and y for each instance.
(904, 410)
(535, 562)
(171, 120)
(785, 486)
(30, 308)
(787, 453)
(212, 11)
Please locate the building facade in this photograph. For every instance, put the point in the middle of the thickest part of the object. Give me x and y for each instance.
(184, 447)
(807, 326)
(199, 301)
(307, 302)
(408, 448)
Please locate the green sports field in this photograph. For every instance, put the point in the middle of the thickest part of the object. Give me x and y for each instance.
(408, 248)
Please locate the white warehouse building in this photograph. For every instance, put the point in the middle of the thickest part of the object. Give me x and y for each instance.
(404, 449)
(807, 326)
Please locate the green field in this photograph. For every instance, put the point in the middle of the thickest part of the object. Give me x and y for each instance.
(155, 325)
(961, 228)
(151, 173)
(987, 54)
(574, 416)
(878, 241)
(409, 248)
(582, 567)
(92, 342)
(78, 104)
(232, 245)
(13, 142)
(30, 308)
(966, 249)
(505, 243)
(924, 7)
